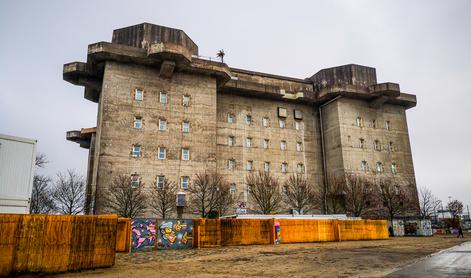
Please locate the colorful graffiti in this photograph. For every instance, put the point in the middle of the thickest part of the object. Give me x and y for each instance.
(143, 234)
(175, 234)
(277, 233)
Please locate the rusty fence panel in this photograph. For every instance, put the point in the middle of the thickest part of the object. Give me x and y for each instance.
(123, 235)
(56, 243)
(227, 232)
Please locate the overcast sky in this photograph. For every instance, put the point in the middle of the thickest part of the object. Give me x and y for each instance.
(425, 46)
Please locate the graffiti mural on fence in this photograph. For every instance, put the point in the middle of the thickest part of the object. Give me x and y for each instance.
(175, 234)
(143, 234)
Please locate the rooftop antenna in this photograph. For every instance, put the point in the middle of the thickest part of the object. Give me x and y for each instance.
(221, 55)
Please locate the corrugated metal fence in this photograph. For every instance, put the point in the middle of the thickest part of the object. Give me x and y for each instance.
(123, 235)
(226, 232)
(56, 243)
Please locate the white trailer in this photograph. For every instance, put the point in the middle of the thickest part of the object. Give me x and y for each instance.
(17, 163)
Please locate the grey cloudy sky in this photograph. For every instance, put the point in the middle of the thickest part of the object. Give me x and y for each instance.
(425, 46)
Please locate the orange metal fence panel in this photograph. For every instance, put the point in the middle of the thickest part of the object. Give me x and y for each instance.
(226, 232)
(246, 231)
(56, 243)
(123, 235)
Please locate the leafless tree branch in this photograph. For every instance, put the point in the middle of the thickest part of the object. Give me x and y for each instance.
(264, 192)
(163, 200)
(125, 200)
(69, 192)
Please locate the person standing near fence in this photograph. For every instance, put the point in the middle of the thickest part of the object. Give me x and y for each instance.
(460, 232)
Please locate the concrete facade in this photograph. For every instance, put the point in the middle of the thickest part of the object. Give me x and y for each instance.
(154, 92)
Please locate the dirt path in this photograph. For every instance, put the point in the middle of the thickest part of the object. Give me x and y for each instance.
(344, 259)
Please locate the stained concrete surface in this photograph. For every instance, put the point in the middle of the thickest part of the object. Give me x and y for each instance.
(452, 262)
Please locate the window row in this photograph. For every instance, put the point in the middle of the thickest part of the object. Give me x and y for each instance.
(162, 124)
(249, 166)
(376, 145)
(160, 181)
(161, 153)
(163, 97)
(378, 167)
(298, 124)
(231, 141)
(374, 123)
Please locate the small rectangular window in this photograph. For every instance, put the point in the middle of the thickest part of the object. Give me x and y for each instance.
(266, 143)
(233, 188)
(364, 166)
(186, 100)
(373, 124)
(388, 125)
(186, 127)
(160, 182)
(298, 114)
(162, 153)
(249, 166)
(230, 164)
(136, 150)
(359, 122)
(230, 118)
(298, 125)
(162, 124)
(379, 167)
(248, 119)
(231, 141)
(135, 181)
(299, 146)
(248, 142)
(362, 143)
(282, 145)
(377, 145)
(282, 123)
(265, 122)
(185, 182)
(163, 97)
(266, 166)
(139, 95)
(185, 154)
(300, 168)
(282, 112)
(284, 167)
(138, 122)
(394, 168)
(391, 146)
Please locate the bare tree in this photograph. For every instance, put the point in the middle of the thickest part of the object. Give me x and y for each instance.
(393, 194)
(299, 194)
(41, 196)
(264, 192)
(205, 195)
(163, 199)
(125, 200)
(456, 208)
(359, 194)
(69, 192)
(41, 160)
(428, 203)
(225, 199)
(335, 195)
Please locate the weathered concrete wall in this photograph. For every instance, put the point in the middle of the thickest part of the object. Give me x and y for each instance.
(307, 135)
(348, 111)
(342, 140)
(117, 134)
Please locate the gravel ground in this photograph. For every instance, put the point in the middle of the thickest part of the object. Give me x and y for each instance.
(374, 258)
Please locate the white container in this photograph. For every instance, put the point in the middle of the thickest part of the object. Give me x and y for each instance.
(17, 162)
